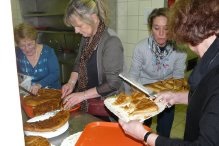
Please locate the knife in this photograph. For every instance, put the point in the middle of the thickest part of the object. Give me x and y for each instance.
(25, 90)
(150, 93)
(147, 91)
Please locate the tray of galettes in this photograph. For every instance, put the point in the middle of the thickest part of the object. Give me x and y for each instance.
(47, 119)
(45, 101)
(169, 84)
(140, 106)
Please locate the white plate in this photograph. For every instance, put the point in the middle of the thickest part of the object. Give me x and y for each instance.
(119, 111)
(71, 140)
(47, 134)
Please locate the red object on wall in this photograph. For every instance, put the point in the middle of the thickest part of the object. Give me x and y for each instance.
(170, 2)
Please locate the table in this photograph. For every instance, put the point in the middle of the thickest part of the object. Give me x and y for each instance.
(77, 121)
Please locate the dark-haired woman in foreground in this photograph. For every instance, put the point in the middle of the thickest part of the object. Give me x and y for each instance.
(195, 22)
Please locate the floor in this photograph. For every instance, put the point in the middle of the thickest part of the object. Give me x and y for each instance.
(178, 123)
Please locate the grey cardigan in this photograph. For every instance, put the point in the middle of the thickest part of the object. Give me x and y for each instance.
(144, 70)
(110, 61)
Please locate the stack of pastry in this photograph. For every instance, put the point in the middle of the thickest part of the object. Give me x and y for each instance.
(46, 100)
(169, 84)
(36, 141)
(50, 124)
(136, 106)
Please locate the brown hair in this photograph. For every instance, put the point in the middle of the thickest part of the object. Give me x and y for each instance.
(23, 31)
(192, 21)
(84, 8)
(155, 13)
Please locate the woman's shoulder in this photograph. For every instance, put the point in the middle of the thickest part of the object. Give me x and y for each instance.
(179, 53)
(110, 37)
(18, 52)
(142, 42)
(47, 49)
(111, 32)
(142, 46)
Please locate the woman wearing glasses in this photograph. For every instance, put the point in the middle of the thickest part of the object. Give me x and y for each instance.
(35, 60)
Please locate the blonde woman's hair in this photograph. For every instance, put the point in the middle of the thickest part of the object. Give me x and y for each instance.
(23, 31)
(84, 8)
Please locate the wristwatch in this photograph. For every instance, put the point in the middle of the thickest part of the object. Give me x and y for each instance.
(146, 136)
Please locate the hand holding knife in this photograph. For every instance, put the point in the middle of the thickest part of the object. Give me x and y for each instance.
(25, 90)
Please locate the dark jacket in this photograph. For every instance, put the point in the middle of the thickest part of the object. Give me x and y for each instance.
(202, 118)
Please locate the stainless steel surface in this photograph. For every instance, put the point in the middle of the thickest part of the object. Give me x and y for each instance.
(138, 86)
(25, 90)
(77, 122)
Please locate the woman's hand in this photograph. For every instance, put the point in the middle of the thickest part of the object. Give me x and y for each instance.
(171, 98)
(73, 99)
(134, 129)
(35, 88)
(67, 89)
(167, 98)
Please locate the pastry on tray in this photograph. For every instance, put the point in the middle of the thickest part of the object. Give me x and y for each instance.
(50, 124)
(36, 141)
(136, 106)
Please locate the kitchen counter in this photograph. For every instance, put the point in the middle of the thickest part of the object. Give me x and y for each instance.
(78, 120)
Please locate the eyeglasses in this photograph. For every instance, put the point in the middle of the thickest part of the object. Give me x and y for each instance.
(27, 45)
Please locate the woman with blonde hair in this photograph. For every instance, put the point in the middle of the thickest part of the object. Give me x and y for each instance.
(100, 58)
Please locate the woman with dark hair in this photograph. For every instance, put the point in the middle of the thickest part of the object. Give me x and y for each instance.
(195, 22)
(100, 58)
(156, 59)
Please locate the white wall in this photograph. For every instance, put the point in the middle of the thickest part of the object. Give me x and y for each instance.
(131, 26)
(11, 124)
(16, 12)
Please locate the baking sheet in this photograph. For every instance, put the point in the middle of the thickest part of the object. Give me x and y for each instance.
(119, 111)
(105, 134)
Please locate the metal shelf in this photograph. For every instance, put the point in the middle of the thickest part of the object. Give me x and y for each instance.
(42, 14)
(55, 31)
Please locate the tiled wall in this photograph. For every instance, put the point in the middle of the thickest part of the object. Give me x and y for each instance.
(131, 26)
(16, 12)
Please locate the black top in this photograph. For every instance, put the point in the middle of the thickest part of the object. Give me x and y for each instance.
(92, 71)
(202, 118)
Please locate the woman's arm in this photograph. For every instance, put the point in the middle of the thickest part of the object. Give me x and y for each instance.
(53, 69)
(137, 61)
(179, 65)
(112, 64)
(70, 85)
(78, 97)
(137, 130)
